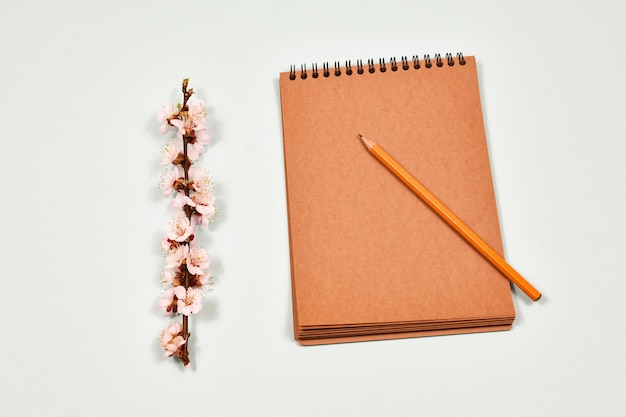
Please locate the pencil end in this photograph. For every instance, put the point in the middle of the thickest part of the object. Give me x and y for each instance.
(368, 143)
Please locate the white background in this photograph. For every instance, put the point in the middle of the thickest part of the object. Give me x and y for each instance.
(81, 218)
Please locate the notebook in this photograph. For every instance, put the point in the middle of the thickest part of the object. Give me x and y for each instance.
(369, 259)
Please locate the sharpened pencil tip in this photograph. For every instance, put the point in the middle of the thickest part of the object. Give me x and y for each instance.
(368, 143)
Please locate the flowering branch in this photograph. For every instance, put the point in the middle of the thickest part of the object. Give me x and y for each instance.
(185, 276)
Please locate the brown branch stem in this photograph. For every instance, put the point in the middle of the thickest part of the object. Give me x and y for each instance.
(186, 164)
(185, 331)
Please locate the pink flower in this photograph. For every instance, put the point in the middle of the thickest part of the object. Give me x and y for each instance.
(169, 181)
(165, 115)
(180, 229)
(194, 150)
(204, 201)
(197, 261)
(196, 114)
(175, 259)
(179, 202)
(180, 124)
(202, 137)
(175, 277)
(189, 301)
(167, 303)
(170, 153)
(200, 180)
(168, 277)
(192, 121)
(171, 339)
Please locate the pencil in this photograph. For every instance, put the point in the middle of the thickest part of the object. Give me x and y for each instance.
(456, 223)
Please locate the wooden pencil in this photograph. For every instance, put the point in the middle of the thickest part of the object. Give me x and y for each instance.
(455, 222)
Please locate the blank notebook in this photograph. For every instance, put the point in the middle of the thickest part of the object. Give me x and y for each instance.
(369, 259)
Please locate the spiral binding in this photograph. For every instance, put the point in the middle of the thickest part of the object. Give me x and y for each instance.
(371, 66)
